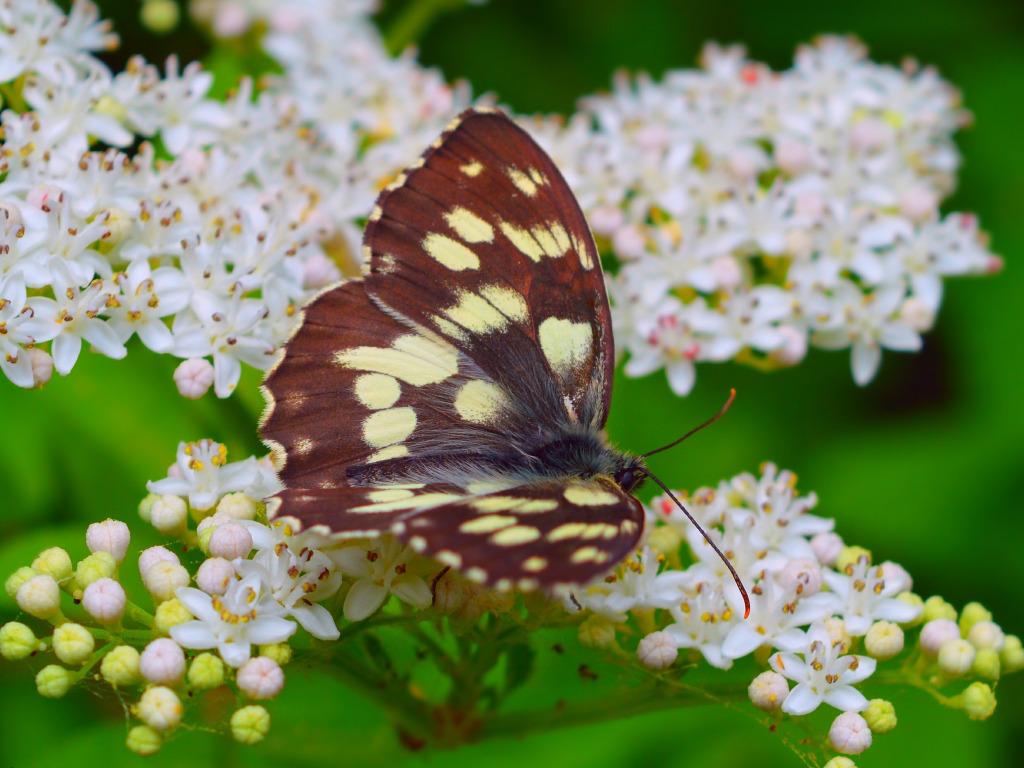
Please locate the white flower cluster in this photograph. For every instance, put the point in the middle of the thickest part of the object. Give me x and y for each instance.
(205, 239)
(810, 597)
(754, 213)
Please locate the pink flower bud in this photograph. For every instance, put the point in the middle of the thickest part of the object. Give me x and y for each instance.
(42, 366)
(229, 541)
(919, 204)
(628, 242)
(657, 650)
(870, 135)
(768, 690)
(917, 314)
(792, 156)
(794, 346)
(260, 678)
(318, 271)
(849, 734)
(827, 547)
(727, 272)
(154, 555)
(895, 575)
(104, 599)
(606, 220)
(214, 575)
(162, 661)
(169, 514)
(110, 536)
(805, 575)
(194, 377)
(935, 634)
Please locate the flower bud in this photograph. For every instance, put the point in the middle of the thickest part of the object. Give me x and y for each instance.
(935, 634)
(53, 681)
(162, 661)
(171, 613)
(596, 632)
(159, 708)
(39, 597)
(793, 156)
(979, 701)
(169, 514)
(318, 271)
(159, 16)
(1011, 658)
(768, 690)
(986, 664)
(206, 671)
(849, 734)
(250, 724)
(110, 536)
(937, 608)
(53, 561)
(146, 505)
(260, 678)
(986, 634)
(917, 314)
(883, 640)
(657, 650)
(279, 652)
(163, 579)
(73, 643)
(880, 716)
(913, 600)
(840, 762)
(120, 667)
(792, 351)
(105, 600)
(851, 556)
(956, 657)
(194, 377)
(727, 272)
(919, 203)
(229, 541)
(42, 366)
(17, 641)
(827, 547)
(144, 741)
(628, 242)
(16, 579)
(665, 539)
(450, 594)
(237, 506)
(971, 615)
(214, 575)
(98, 565)
(154, 555)
(837, 633)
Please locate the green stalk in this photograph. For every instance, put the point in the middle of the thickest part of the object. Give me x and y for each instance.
(413, 22)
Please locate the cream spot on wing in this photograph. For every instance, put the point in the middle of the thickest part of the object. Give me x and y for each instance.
(487, 524)
(377, 390)
(586, 257)
(387, 427)
(565, 344)
(510, 302)
(472, 169)
(476, 314)
(535, 564)
(469, 226)
(418, 543)
(537, 505)
(561, 236)
(586, 496)
(411, 358)
(390, 494)
(450, 253)
(450, 329)
(629, 526)
(522, 240)
(548, 243)
(303, 447)
(422, 501)
(538, 178)
(527, 585)
(588, 555)
(449, 558)
(517, 534)
(503, 585)
(523, 182)
(600, 531)
(480, 402)
(566, 531)
(391, 452)
(496, 503)
(475, 574)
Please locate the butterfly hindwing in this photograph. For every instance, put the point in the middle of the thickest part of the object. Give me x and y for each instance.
(550, 533)
(483, 242)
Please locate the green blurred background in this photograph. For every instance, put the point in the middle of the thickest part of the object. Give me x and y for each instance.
(924, 466)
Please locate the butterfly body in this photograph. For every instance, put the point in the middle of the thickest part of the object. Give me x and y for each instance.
(456, 395)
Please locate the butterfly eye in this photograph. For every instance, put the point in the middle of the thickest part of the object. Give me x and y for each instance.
(626, 479)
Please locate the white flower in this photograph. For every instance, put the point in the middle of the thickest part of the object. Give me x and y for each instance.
(147, 295)
(23, 321)
(702, 621)
(823, 674)
(244, 616)
(776, 615)
(864, 595)
(203, 474)
(380, 569)
(636, 585)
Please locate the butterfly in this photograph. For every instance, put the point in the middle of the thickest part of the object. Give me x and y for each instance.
(456, 395)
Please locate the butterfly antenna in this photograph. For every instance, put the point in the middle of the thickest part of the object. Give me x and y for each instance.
(735, 576)
(709, 422)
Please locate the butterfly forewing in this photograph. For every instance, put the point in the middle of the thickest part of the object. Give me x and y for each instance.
(454, 397)
(484, 243)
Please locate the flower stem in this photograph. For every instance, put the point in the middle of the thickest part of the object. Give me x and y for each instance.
(414, 20)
